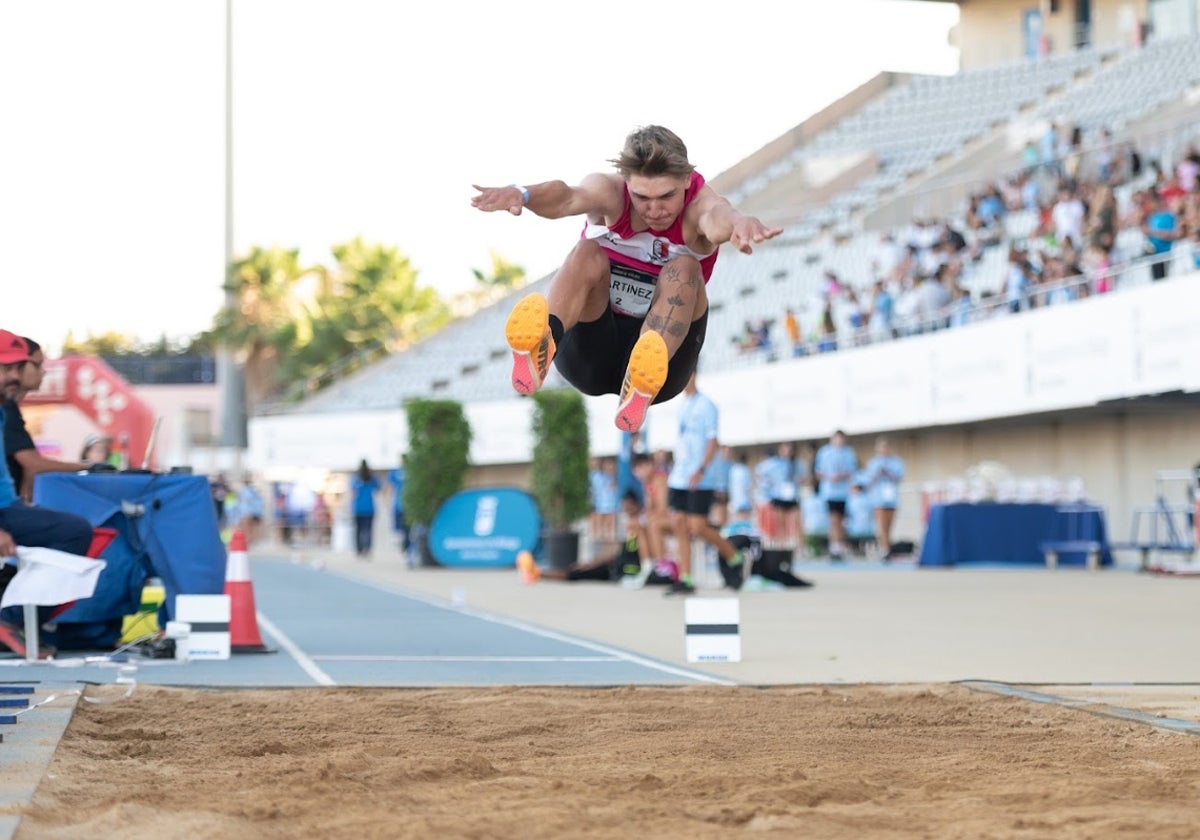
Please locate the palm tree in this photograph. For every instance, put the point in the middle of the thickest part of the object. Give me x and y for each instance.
(293, 327)
(268, 319)
(368, 304)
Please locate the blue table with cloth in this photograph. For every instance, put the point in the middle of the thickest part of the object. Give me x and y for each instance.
(990, 532)
(166, 526)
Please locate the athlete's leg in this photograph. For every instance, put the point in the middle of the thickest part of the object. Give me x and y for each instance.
(683, 544)
(677, 315)
(679, 299)
(535, 328)
(579, 292)
(683, 363)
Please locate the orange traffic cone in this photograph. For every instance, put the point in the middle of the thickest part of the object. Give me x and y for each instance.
(243, 619)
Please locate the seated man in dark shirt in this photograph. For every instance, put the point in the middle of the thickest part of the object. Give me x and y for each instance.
(24, 460)
(22, 524)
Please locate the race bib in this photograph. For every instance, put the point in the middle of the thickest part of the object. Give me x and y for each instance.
(630, 291)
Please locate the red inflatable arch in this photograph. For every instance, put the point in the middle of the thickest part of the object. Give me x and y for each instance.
(97, 390)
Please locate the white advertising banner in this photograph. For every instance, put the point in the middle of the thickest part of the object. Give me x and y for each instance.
(974, 372)
(499, 431)
(331, 440)
(1166, 339)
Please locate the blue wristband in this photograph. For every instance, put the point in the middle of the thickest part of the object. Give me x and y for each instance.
(524, 193)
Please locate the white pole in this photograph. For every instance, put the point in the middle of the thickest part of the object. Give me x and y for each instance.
(228, 376)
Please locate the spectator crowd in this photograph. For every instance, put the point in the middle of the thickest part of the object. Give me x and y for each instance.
(1074, 221)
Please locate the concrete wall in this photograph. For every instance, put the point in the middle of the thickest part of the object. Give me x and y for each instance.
(989, 31)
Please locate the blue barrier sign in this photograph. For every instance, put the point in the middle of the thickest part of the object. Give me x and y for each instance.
(485, 526)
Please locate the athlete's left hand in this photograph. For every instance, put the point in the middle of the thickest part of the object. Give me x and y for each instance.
(749, 231)
(498, 198)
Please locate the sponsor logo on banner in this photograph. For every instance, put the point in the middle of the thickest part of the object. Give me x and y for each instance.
(485, 527)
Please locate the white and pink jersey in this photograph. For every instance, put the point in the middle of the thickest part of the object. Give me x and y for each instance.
(638, 256)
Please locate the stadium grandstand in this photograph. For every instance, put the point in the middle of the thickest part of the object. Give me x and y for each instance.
(936, 192)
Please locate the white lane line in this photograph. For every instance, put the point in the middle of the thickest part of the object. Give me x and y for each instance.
(302, 658)
(632, 658)
(383, 658)
(599, 648)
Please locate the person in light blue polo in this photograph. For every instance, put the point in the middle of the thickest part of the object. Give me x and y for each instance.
(883, 474)
(690, 489)
(860, 515)
(834, 467)
(741, 486)
(787, 473)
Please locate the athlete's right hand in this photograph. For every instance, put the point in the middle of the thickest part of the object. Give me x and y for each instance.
(499, 198)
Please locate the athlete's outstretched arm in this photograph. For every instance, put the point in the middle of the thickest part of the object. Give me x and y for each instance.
(719, 223)
(597, 193)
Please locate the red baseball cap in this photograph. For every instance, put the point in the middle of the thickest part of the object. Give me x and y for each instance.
(13, 348)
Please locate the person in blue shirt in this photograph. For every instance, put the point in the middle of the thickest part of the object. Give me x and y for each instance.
(741, 483)
(834, 468)
(860, 515)
(764, 480)
(1161, 230)
(690, 489)
(22, 524)
(718, 475)
(605, 496)
(399, 523)
(250, 509)
(363, 487)
(787, 473)
(816, 523)
(883, 475)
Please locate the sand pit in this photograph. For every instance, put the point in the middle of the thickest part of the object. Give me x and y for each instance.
(860, 761)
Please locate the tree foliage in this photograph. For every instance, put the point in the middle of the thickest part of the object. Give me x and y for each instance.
(559, 472)
(438, 457)
(290, 323)
(265, 319)
(116, 345)
(368, 299)
(504, 274)
(293, 326)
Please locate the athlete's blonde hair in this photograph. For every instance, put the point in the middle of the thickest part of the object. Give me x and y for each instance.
(651, 151)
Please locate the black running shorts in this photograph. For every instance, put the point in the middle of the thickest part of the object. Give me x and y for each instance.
(593, 355)
(696, 502)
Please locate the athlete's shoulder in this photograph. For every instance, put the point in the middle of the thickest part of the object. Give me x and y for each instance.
(604, 193)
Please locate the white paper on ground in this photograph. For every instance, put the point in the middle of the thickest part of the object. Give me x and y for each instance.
(48, 577)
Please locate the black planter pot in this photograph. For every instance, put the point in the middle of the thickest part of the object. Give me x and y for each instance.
(560, 548)
(420, 539)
